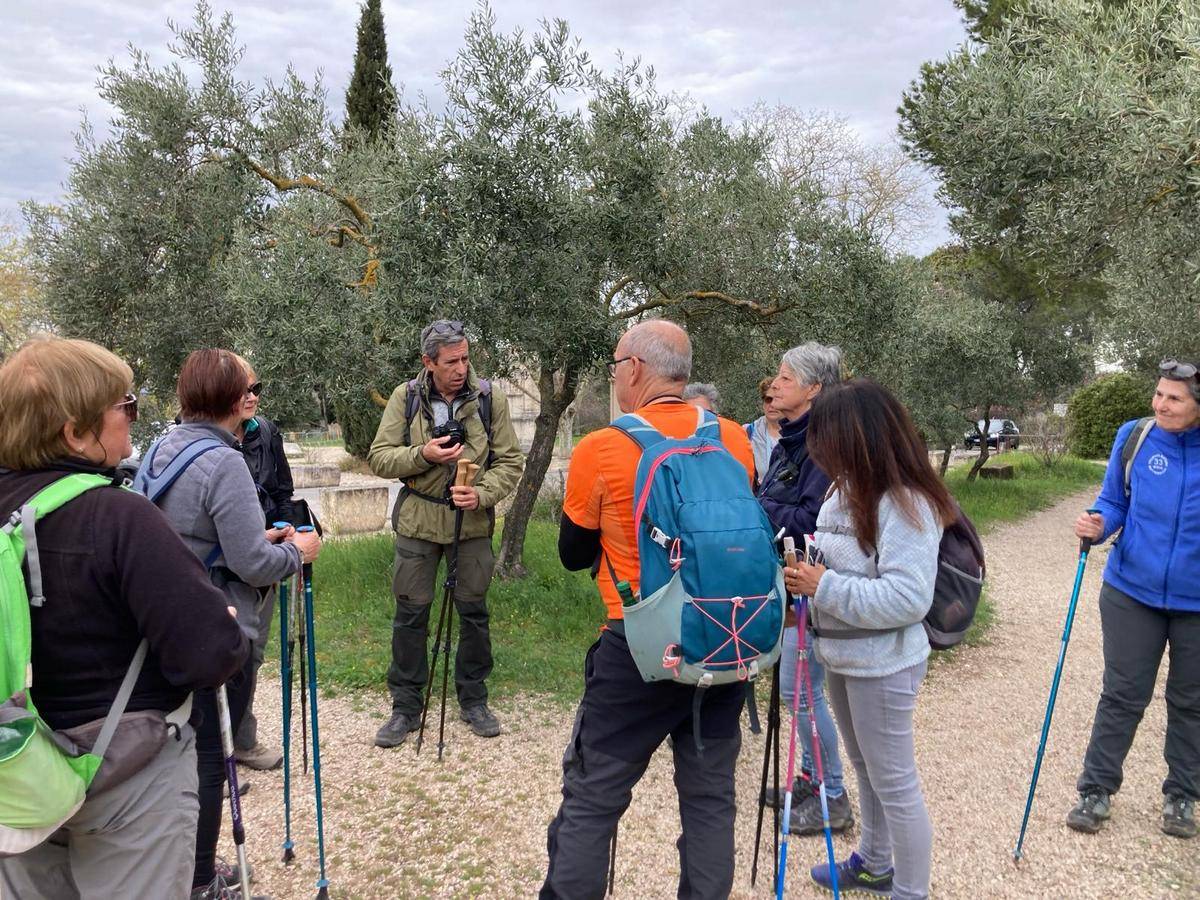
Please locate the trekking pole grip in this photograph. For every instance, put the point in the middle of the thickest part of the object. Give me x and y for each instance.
(465, 474)
(1085, 544)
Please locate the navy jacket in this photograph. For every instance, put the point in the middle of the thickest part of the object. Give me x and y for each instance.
(1156, 559)
(794, 487)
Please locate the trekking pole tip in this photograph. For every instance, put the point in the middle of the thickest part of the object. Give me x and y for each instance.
(288, 853)
(323, 890)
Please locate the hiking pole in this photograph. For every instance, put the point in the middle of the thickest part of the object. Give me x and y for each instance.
(1085, 545)
(433, 665)
(311, 646)
(464, 474)
(304, 679)
(804, 676)
(235, 802)
(772, 728)
(287, 647)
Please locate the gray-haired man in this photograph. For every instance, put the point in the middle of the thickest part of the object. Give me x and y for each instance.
(472, 422)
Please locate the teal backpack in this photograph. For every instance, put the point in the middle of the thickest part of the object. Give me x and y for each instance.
(44, 778)
(711, 589)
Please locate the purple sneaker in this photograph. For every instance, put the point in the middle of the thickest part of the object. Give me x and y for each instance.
(853, 877)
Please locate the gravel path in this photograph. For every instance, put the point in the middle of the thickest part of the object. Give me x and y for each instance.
(399, 825)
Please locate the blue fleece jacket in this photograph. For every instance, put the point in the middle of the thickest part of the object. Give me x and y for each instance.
(792, 491)
(1156, 559)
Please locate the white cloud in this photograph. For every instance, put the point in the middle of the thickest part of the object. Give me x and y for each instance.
(853, 58)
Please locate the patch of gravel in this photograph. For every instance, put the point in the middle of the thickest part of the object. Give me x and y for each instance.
(402, 825)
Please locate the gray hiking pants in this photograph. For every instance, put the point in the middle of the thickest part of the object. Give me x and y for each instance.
(137, 839)
(876, 720)
(247, 734)
(1135, 636)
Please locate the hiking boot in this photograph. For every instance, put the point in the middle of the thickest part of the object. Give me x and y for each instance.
(1093, 808)
(480, 720)
(231, 873)
(259, 757)
(1179, 816)
(395, 730)
(801, 787)
(806, 818)
(853, 878)
(220, 889)
(243, 788)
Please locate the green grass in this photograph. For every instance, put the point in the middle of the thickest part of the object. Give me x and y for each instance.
(542, 625)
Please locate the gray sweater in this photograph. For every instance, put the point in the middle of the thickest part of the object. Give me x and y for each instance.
(892, 597)
(215, 502)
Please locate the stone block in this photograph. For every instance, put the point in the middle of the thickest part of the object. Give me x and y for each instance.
(1004, 472)
(311, 476)
(292, 450)
(354, 510)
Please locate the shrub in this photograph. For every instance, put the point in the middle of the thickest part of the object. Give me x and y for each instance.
(1097, 410)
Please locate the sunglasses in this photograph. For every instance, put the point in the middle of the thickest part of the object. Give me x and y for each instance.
(129, 405)
(1173, 368)
(255, 388)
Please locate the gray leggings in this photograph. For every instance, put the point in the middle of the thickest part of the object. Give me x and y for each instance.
(875, 716)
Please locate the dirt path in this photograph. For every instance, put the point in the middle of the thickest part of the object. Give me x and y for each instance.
(398, 825)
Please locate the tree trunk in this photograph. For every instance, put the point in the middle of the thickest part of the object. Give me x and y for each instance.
(555, 400)
(945, 464)
(984, 453)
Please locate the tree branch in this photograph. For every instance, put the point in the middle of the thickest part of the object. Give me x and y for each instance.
(616, 289)
(666, 299)
(378, 399)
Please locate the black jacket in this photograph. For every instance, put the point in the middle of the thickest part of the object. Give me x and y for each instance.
(262, 447)
(114, 571)
(794, 487)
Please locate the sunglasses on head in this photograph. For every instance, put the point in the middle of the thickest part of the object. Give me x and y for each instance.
(1173, 368)
(129, 405)
(255, 388)
(452, 327)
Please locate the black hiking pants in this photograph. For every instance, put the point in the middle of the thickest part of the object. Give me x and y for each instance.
(413, 586)
(1135, 636)
(621, 721)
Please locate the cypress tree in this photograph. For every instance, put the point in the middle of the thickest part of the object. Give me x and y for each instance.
(371, 98)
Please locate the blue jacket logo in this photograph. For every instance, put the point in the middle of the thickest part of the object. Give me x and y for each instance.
(1158, 464)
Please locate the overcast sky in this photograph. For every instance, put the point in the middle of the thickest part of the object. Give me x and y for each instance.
(853, 58)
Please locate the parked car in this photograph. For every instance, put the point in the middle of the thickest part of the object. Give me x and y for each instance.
(998, 430)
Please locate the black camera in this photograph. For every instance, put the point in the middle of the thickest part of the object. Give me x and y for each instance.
(454, 429)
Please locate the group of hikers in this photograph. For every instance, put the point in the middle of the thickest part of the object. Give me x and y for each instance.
(668, 507)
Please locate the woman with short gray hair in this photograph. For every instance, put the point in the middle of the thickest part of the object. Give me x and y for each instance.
(703, 395)
(791, 493)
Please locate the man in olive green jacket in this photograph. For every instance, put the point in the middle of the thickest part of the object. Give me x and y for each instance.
(449, 397)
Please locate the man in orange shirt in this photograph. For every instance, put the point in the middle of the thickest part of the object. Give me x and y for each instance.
(622, 719)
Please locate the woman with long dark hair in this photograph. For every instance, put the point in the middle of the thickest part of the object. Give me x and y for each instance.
(879, 532)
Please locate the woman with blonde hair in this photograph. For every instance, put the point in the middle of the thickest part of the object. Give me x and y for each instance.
(114, 572)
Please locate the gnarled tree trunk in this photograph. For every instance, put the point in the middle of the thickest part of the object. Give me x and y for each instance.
(984, 452)
(557, 393)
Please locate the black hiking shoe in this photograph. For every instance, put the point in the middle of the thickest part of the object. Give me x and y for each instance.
(395, 730)
(480, 720)
(806, 817)
(1093, 808)
(801, 788)
(853, 878)
(1179, 816)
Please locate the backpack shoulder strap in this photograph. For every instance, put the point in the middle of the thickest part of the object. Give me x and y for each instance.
(154, 486)
(485, 407)
(639, 430)
(412, 402)
(1133, 443)
(44, 502)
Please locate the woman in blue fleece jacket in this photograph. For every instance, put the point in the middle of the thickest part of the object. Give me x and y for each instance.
(1150, 598)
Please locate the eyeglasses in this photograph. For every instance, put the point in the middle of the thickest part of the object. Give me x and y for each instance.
(255, 389)
(613, 363)
(1173, 368)
(128, 405)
